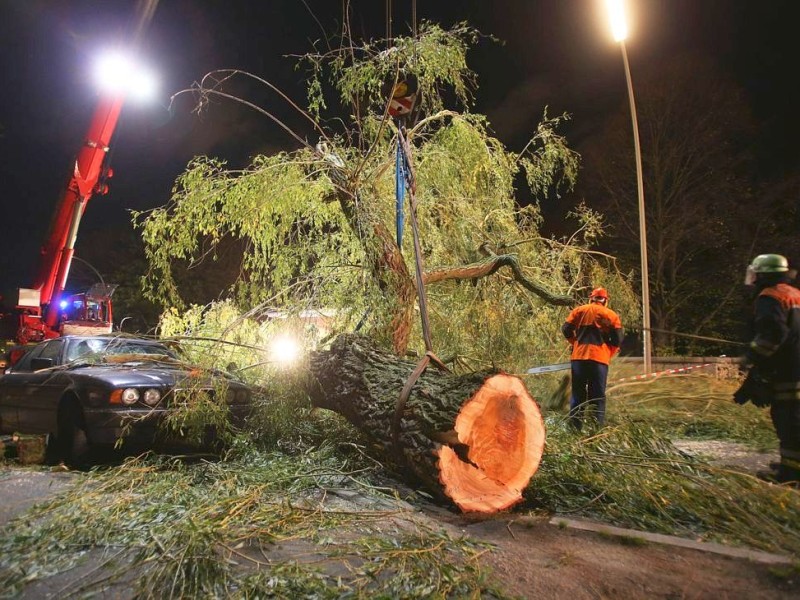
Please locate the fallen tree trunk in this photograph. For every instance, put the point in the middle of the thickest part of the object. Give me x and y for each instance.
(474, 439)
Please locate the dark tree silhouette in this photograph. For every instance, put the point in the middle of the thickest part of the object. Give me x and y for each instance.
(696, 137)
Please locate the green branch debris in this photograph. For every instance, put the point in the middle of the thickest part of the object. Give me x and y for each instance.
(630, 474)
(317, 517)
(262, 525)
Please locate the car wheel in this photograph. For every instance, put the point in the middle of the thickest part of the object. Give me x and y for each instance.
(72, 438)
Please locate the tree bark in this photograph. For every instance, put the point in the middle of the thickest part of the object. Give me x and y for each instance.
(474, 439)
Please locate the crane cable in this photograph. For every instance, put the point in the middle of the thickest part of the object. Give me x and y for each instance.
(388, 22)
(389, 19)
(409, 182)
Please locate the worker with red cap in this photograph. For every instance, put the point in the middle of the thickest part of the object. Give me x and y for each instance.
(595, 332)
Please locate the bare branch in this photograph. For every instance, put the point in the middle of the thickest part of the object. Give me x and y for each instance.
(255, 107)
(230, 73)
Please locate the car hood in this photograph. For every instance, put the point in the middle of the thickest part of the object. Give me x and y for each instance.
(148, 374)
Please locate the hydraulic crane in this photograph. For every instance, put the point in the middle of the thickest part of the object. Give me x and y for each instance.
(43, 310)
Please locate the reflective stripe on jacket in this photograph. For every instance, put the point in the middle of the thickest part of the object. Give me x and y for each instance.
(776, 345)
(594, 331)
(786, 390)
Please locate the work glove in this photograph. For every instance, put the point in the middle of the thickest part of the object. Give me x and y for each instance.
(756, 388)
(740, 396)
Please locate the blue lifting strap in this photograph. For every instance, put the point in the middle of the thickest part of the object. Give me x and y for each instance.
(400, 192)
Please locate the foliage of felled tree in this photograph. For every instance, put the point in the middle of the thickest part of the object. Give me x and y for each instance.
(318, 222)
(254, 351)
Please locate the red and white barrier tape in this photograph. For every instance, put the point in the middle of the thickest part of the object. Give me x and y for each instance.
(657, 373)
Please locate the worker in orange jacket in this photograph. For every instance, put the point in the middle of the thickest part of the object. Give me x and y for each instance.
(595, 332)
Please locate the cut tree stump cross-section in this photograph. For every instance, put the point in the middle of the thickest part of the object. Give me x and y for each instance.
(474, 439)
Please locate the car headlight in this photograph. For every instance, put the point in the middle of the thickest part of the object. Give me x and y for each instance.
(152, 397)
(129, 396)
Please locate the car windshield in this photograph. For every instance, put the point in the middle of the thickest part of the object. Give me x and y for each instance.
(116, 347)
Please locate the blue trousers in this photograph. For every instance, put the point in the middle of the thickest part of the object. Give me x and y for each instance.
(588, 391)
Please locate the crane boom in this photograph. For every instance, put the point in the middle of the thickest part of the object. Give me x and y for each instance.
(84, 182)
(41, 314)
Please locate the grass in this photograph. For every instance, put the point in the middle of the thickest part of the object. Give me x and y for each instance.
(215, 529)
(629, 474)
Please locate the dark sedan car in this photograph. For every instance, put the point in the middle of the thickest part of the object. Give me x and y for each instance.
(93, 391)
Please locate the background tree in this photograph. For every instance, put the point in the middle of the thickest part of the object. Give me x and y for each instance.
(771, 218)
(116, 256)
(696, 133)
(317, 222)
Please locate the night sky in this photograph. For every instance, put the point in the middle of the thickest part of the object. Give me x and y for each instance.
(557, 53)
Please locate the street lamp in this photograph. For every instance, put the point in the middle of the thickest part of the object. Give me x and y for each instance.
(619, 29)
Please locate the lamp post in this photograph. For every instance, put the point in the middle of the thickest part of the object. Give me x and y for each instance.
(619, 29)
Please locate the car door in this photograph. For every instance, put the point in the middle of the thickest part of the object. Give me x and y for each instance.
(12, 390)
(40, 391)
(8, 408)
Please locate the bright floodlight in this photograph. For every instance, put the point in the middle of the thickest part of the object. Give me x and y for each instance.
(143, 85)
(284, 350)
(112, 72)
(616, 14)
(116, 73)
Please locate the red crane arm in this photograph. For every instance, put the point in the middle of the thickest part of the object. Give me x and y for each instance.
(60, 243)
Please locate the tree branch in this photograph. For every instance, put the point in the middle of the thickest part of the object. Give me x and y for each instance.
(490, 266)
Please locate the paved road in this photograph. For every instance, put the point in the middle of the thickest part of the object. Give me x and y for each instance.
(21, 488)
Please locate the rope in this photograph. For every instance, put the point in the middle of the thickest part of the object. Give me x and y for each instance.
(657, 373)
(400, 405)
(418, 268)
(411, 184)
(690, 336)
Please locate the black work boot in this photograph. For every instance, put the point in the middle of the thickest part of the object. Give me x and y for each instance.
(788, 475)
(780, 475)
